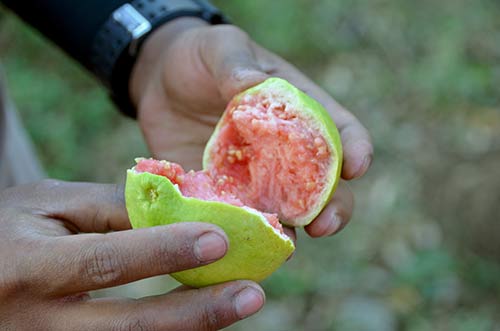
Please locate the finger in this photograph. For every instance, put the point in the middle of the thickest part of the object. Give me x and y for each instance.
(357, 148)
(356, 141)
(181, 288)
(290, 232)
(80, 263)
(210, 308)
(229, 56)
(88, 207)
(336, 214)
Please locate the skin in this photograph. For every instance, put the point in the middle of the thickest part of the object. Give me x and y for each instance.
(181, 94)
(59, 240)
(46, 270)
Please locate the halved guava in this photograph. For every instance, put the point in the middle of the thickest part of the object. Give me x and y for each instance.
(279, 151)
(160, 192)
(274, 156)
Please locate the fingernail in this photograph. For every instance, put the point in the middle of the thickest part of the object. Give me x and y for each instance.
(335, 225)
(210, 246)
(367, 161)
(321, 228)
(248, 301)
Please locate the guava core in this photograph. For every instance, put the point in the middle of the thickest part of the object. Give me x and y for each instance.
(274, 156)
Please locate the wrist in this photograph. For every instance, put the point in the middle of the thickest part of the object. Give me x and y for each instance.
(151, 54)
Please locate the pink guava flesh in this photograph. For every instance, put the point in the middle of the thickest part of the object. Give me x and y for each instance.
(270, 157)
(198, 185)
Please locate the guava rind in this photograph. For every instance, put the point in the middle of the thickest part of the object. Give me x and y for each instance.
(317, 119)
(255, 249)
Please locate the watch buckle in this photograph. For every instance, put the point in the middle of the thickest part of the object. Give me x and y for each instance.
(135, 24)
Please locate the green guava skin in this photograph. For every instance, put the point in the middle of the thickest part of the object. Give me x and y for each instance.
(255, 249)
(317, 119)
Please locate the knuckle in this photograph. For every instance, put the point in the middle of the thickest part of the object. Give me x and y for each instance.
(133, 323)
(210, 319)
(176, 251)
(16, 274)
(213, 317)
(103, 265)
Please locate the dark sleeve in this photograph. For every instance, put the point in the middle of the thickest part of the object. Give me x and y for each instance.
(70, 24)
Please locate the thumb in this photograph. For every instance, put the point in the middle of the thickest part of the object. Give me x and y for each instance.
(230, 57)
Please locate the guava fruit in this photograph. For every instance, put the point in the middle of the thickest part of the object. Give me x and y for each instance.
(160, 192)
(281, 149)
(274, 156)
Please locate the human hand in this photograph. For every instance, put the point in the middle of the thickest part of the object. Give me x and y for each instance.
(46, 268)
(186, 74)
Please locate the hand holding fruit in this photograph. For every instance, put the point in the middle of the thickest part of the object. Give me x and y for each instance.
(53, 249)
(274, 156)
(187, 73)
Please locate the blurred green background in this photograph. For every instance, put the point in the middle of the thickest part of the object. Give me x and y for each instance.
(423, 249)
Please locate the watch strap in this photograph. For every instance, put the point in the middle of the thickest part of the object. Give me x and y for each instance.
(115, 46)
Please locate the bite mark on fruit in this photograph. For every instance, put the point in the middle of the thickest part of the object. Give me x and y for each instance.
(200, 185)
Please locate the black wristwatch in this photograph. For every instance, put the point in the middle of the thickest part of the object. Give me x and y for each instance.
(116, 45)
